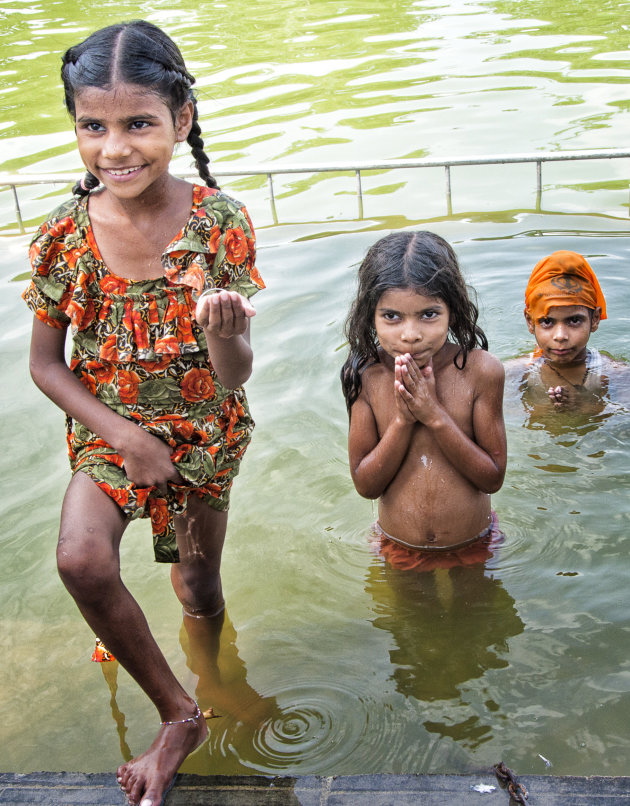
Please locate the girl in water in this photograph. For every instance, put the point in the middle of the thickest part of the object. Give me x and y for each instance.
(427, 436)
(153, 275)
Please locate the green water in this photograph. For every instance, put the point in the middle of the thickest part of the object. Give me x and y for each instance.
(331, 663)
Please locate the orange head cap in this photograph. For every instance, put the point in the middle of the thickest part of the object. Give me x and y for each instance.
(564, 278)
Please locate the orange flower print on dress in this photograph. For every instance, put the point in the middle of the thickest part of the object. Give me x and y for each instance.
(156, 366)
(195, 277)
(185, 429)
(236, 248)
(109, 348)
(104, 373)
(111, 284)
(197, 385)
(213, 242)
(128, 381)
(159, 515)
(89, 381)
(255, 275)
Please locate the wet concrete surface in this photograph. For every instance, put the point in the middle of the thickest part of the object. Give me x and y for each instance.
(74, 788)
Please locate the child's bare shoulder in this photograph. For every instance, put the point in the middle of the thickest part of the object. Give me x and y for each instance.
(486, 367)
(515, 368)
(375, 371)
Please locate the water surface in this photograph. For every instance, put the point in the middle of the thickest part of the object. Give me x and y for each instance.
(330, 662)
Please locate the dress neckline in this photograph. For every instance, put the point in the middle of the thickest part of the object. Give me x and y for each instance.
(197, 195)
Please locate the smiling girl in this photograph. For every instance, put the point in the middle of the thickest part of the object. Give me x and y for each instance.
(426, 426)
(152, 275)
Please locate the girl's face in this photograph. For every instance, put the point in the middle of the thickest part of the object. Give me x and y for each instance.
(409, 322)
(126, 136)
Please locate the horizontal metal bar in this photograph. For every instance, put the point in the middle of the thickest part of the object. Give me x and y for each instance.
(341, 167)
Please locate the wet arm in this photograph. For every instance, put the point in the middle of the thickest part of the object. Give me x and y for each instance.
(481, 460)
(146, 458)
(225, 321)
(375, 461)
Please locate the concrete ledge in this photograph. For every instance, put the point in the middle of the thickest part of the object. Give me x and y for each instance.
(75, 788)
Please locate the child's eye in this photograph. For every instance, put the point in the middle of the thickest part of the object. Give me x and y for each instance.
(545, 322)
(429, 314)
(93, 126)
(390, 316)
(576, 320)
(139, 124)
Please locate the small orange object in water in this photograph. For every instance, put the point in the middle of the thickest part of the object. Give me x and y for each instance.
(101, 654)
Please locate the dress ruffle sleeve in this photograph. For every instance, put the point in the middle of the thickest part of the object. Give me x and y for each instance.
(217, 248)
(60, 269)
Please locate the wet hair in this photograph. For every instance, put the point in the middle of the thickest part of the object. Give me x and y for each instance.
(425, 263)
(140, 53)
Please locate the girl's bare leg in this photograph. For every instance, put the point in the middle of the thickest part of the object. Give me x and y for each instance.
(88, 561)
(196, 577)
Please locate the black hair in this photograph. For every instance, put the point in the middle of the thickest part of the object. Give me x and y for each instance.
(421, 261)
(140, 53)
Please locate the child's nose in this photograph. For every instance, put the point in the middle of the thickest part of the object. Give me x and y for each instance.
(411, 333)
(560, 333)
(115, 145)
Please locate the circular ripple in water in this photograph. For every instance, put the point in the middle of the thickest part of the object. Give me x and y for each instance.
(308, 730)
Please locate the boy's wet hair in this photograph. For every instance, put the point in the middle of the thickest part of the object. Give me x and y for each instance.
(425, 263)
(139, 53)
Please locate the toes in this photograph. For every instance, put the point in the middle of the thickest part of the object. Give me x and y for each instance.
(134, 791)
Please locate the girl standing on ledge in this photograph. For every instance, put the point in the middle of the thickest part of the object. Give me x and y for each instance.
(152, 275)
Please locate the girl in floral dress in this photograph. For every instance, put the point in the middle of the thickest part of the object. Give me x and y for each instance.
(152, 275)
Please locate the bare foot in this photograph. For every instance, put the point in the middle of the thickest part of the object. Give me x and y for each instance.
(149, 776)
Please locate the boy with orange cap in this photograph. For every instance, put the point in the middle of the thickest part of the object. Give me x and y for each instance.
(564, 304)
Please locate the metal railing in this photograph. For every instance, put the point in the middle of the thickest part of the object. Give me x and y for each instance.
(15, 181)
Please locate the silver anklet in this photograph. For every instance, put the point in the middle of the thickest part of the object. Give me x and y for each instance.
(193, 718)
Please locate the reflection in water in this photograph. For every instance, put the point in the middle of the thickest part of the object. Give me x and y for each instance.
(110, 673)
(531, 405)
(449, 626)
(212, 656)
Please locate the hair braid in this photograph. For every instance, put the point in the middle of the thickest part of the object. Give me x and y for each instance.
(195, 142)
(85, 185)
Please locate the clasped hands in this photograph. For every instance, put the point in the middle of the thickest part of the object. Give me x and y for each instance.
(559, 396)
(415, 393)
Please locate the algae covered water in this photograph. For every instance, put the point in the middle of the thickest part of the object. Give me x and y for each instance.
(329, 662)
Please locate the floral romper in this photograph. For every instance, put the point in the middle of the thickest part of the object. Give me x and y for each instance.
(138, 348)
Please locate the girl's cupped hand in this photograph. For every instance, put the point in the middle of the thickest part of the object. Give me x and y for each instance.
(224, 313)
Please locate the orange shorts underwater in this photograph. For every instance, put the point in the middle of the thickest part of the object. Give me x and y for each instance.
(479, 550)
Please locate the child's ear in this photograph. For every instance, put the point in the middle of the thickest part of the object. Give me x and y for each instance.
(183, 121)
(595, 319)
(530, 323)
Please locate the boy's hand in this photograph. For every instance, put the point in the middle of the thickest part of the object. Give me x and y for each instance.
(559, 396)
(224, 313)
(416, 388)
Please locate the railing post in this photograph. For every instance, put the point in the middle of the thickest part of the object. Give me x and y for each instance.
(272, 198)
(538, 185)
(449, 201)
(18, 212)
(359, 194)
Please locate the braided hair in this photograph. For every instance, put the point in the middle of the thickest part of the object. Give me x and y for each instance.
(425, 263)
(140, 53)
